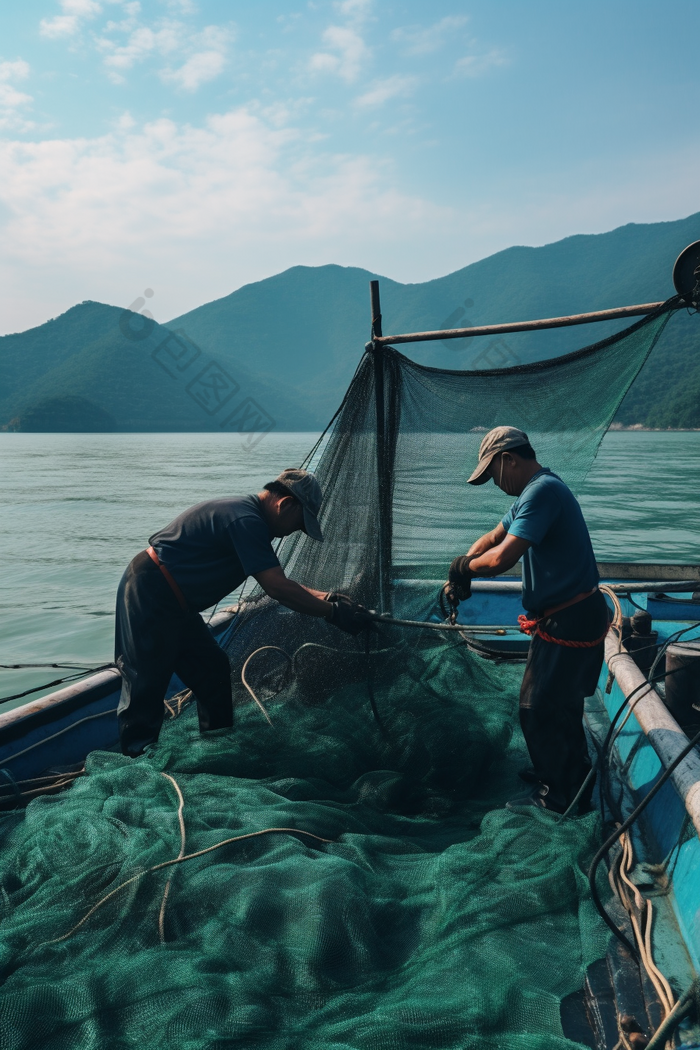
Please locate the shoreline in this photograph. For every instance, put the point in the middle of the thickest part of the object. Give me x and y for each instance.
(640, 428)
(615, 428)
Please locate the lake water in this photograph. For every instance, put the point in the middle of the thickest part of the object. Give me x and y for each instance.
(77, 507)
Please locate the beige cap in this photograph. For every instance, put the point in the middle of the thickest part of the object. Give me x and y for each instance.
(305, 488)
(497, 440)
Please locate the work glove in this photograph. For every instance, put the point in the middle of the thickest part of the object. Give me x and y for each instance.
(348, 616)
(459, 579)
(458, 586)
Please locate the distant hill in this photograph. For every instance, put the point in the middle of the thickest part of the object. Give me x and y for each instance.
(308, 325)
(97, 364)
(282, 351)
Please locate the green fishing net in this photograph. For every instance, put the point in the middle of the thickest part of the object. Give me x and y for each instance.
(429, 919)
(397, 904)
(396, 499)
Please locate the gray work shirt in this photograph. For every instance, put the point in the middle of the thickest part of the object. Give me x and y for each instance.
(213, 547)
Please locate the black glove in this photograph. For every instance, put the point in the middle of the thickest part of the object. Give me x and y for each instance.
(349, 617)
(335, 596)
(458, 586)
(459, 580)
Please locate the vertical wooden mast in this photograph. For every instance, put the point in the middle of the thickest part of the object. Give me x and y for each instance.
(384, 467)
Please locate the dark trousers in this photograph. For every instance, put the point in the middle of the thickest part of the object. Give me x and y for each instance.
(154, 638)
(557, 680)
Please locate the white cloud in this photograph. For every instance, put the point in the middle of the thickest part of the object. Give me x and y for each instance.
(60, 25)
(17, 70)
(422, 40)
(201, 209)
(68, 23)
(125, 122)
(204, 64)
(12, 100)
(477, 65)
(354, 10)
(197, 70)
(81, 8)
(142, 43)
(346, 55)
(129, 41)
(383, 90)
(182, 7)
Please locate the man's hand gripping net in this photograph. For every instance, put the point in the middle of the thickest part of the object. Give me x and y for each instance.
(458, 586)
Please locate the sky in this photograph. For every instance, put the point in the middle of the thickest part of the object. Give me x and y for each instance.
(189, 147)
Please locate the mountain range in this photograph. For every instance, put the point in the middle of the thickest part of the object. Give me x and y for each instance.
(279, 353)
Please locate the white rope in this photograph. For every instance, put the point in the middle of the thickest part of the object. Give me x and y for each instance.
(245, 680)
(178, 860)
(181, 822)
(640, 911)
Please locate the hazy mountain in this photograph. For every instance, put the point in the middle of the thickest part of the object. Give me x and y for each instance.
(308, 325)
(281, 352)
(98, 363)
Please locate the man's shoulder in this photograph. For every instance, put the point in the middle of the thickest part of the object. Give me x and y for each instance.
(229, 509)
(546, 483)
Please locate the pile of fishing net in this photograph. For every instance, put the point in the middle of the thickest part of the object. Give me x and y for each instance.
(402, 910)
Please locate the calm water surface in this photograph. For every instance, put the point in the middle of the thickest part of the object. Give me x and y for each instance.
(77, 507)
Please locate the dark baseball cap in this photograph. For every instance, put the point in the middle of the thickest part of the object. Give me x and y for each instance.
(303, 486)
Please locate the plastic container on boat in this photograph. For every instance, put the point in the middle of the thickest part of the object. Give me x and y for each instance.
(683, 685)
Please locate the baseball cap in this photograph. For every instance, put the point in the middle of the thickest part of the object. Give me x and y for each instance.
(497, 440)
(304, 487)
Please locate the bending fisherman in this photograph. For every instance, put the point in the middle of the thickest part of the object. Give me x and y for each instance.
(567, 614)
(194, 562)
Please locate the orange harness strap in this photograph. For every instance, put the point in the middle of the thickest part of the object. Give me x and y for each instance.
(173, 586)
(533, 626)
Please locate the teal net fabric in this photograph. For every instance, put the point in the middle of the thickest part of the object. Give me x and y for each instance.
(377, 896)
(434, 423)
(432, 918)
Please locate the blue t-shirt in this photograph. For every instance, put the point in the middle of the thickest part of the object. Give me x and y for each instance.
(560, 563)
(212, 548)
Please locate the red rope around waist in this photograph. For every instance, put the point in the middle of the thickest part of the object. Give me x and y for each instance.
(171, 582)
(533, 626)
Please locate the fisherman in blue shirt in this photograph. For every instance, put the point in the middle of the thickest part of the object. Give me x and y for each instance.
(567, 614)
(190, 565)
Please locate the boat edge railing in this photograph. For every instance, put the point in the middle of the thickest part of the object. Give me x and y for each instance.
(659, 726)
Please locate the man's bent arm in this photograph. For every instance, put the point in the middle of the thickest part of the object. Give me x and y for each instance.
(293, 595)
(489, 540)
(499, 558)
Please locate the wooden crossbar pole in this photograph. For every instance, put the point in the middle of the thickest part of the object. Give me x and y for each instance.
(524, 326)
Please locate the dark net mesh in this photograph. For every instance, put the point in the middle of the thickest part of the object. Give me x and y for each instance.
(399, 905)
(417, 499)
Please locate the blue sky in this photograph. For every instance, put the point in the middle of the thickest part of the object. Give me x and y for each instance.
(192, 146)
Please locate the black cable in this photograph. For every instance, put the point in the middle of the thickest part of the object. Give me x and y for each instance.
(370, 687)
(57, 681)
(670, 641)
(610, 842)
(625, 702)
(64, 667)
